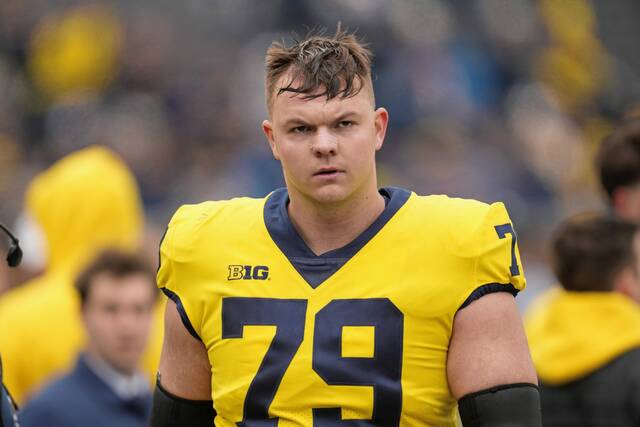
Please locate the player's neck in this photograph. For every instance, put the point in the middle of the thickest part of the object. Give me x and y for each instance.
(328, 227)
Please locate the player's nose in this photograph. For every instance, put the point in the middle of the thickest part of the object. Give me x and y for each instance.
(325, 143)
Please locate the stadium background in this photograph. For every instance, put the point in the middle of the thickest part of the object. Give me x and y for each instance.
(489, 99)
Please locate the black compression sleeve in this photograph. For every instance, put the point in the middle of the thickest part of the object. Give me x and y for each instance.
(513, 405)
(173, 411)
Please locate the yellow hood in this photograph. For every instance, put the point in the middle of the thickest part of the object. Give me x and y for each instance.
(85, 202)
(572, 334)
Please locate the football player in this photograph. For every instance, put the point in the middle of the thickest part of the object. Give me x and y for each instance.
(332, 302)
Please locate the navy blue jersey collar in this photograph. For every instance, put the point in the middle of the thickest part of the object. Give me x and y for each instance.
(315, 269)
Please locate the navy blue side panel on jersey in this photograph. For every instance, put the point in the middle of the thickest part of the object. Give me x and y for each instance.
(183, 314)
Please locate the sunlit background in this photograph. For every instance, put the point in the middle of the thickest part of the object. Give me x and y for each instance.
(490, 99)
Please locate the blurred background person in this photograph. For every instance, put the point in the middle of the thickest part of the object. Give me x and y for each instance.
(618, 163)
(585, 337)
(84, 203)
(105, 388)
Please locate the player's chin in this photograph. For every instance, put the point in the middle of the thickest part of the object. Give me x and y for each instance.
(330, 193)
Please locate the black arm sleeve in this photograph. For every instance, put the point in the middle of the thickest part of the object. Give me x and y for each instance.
(513, 405)
(173, 411)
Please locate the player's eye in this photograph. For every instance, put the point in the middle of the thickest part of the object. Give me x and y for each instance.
(345, 124)
(300, 129)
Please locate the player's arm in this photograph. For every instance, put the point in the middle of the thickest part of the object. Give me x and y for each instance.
(182, 397)
(489, 367)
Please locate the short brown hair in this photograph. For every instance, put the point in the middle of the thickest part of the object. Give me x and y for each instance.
(618, 159)
(115, 264)
(340, 65)
(590, 250)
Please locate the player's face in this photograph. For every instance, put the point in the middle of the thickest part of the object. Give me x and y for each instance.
(327, 148)
(118, 315)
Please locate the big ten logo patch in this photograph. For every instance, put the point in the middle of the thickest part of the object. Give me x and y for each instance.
(248, 272)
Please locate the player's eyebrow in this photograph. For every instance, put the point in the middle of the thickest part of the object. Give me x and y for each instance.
(346, 115)
(295, 122)
(298, 121)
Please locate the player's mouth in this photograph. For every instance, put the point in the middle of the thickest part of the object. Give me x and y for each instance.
(328, 173)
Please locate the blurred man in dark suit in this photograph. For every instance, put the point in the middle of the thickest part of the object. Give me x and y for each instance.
(105, 388)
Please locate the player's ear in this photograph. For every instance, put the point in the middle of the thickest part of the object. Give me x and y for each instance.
(380, 122)
(267, 128)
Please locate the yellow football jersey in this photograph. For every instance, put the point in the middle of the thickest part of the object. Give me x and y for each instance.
(358, 335)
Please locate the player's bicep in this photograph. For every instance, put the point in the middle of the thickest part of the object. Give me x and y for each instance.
(488, 346)
(184, 365)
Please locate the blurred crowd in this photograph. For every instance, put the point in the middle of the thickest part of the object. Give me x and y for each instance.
(491, 99)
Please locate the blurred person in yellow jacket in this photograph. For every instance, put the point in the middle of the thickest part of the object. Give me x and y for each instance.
(86, 202)
(585, 337)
